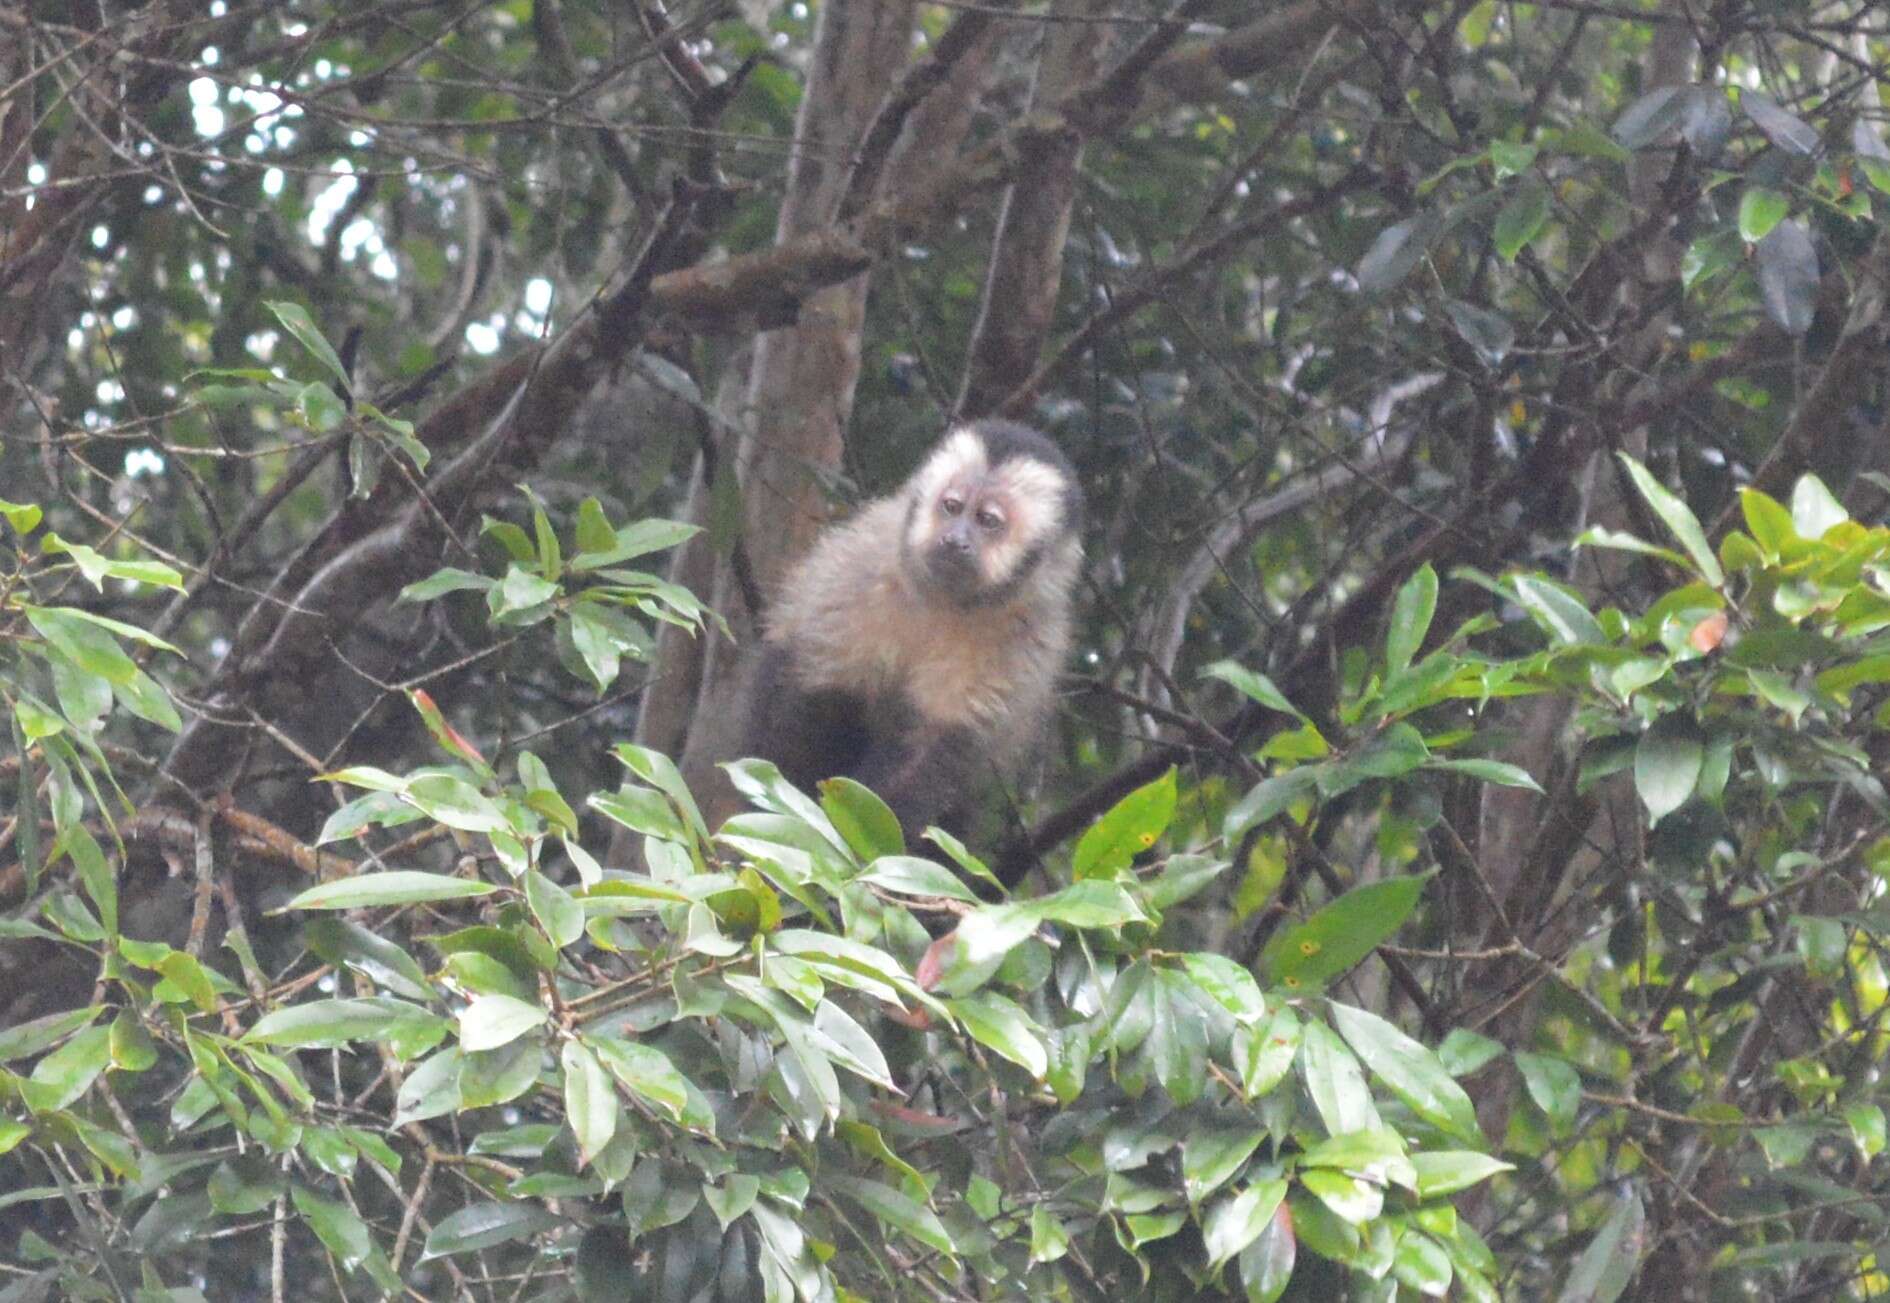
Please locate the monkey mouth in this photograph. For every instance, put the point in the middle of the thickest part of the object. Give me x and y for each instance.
(953, 573)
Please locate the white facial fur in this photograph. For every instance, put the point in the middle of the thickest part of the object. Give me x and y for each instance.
(1028, 492)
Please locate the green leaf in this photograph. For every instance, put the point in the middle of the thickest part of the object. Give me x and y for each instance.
(483, 1225)
(23, 1040)
(1411, 613)
(1253, 684)
(490, 1021)
(1559, 612)
(911, 876)
(430, 1090)
(1442, 1172)
(336, 1225)
(1378, 1156)
(1489, 771)
(1176, 1046)
(1266, 1265)
(1391, 752)
(443, 581)
(1211, 1156)
(1268, 1052)
(456, 803)
(1335, 1082)
(395, 887)
(647, 1073)
(590, 1100)
(189, 977)
(594, 533)
(1770, 523)
(1788, 276)
(1409, 1071)
(378, 958)
(1521, 219)
(97, 567)
(326, 1024)
(1603, 1272)
(1003, 1026)
(1398, 249)
(1510, 158)
(1267, 800)
(1667, 764)
(1049, 1241)
(1238, 1222)
(735, 1196)
(1352, 1199)
(1554, 1085)
(635, 540)
(1653, 117)
(866, 822)
(1761, 209)
(1815, 509)
(1227, 984)
(69, 1071)
(897, 1211)
(1867, 1128)
(1310, 954)
(1087, 905)
(23, 517)
(1602, 536)
(1422, 1265)
(295, 319)
(660, 772)
(973, 950)
(84, 642)
(561, 916)
(849, 1044)
(1132, 826)
(1786, 130)
(1679, 518)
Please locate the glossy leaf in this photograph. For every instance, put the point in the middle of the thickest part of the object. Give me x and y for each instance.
(1788, 277)
(394, 887)
(1679, 518)
(1606, 1267)
(1411, 612)
(1761, 209)
(1238, 1222)
(1789, 132)
(1001, 1025)
(1410, 1071)
(484, 1225)
(489, 1021)
(897, 1211)
(1522, 219)
(1310, 954)
(1667, 765)
(1132, 825)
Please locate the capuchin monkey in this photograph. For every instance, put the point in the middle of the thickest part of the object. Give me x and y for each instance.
(916, 647)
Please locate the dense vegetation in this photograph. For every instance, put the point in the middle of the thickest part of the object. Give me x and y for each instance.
(1459, 865)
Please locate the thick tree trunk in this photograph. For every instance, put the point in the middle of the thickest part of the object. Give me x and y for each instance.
(1020, 288)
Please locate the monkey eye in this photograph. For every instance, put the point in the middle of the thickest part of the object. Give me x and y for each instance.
(950, 505)
(989, 519)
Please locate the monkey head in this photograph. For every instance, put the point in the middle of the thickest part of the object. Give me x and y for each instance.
(988, 506)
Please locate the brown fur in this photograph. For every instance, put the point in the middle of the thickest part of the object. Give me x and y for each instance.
(859, 617)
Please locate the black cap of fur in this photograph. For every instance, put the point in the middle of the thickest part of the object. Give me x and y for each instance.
(1004, 440)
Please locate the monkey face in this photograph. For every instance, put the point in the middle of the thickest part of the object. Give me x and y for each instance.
(968, 531)
(977, 524)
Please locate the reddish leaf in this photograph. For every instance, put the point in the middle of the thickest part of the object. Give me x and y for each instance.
(1708, 633)
(932, 964)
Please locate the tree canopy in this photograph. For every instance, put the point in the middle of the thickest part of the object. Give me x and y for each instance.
(1457, 866)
